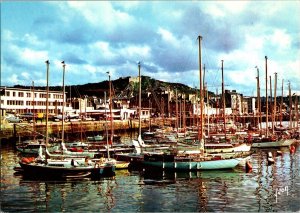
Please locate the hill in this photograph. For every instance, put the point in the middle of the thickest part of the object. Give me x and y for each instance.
(120, 86)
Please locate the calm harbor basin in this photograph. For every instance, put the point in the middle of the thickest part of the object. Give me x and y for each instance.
(266, 188)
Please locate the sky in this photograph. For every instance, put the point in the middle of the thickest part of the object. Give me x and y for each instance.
(96, 37)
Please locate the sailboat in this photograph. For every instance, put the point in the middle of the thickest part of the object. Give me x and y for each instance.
(271, 140)
(175, 160)
(118, 163)
(31, 146)
(140, 148)
(63, 168)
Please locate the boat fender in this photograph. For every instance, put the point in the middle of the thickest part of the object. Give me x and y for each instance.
(248, 166)
(292, 149)
(27, 160)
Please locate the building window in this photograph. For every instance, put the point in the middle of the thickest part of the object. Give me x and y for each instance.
(7, 93)
(21, 94)
(28, 95)
(14, 94)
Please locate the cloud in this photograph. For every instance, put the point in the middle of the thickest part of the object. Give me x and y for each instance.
(94, 37)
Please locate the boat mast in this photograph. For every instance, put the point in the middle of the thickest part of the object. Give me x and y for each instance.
(223, 100)
(267, 106)
(200, 133)
(47, 102)
(140, 99)
(207, 104)
(106, 129)
(297, 113)
(110, 110)
(183, 116)
(33, 113)
(63, 105)
(290, 99)
(271, 105)
(281, 103)
(275, 104)
(204, 94)
(176, 110)
(258, 100)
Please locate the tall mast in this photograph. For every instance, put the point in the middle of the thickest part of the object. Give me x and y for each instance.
(290, 98)
(281, 103)
(47, 102)
(33, 112)
(297, 113)
(184, 116)
(110, 110)
(176, 104)
(223, 100)
(258, 100)
(207, 104)
(204, 94)
(200, 134)
(271, 104)
(106, 127)
(63, 106)
(275, 104)
(267, 106)
(140, 99)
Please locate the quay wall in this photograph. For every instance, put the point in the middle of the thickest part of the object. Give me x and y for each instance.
(11, 132)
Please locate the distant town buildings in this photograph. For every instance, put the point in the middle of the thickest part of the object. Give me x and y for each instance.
(157, 102)
(17, 100)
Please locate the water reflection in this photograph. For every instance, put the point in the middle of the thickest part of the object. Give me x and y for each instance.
(278, 177)
(211, 190)
(268, 188)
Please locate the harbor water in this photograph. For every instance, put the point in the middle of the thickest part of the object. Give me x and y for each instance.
(267, 188)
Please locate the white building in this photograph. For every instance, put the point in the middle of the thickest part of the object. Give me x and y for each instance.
(18, 101)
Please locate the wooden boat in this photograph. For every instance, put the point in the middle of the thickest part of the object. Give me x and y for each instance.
(64, 168)
(216, 148)
(189, 162)
(33, 148)
(272, 144)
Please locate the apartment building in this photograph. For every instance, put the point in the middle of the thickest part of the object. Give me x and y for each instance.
(19, 100)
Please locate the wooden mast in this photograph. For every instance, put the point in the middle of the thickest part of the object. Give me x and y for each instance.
(271, 105)
(47, 103)
(267, 106)
(281, 103)
(258, 100)
(223, 100)
(140, 99)
(63, 106)
(106, 127)
(297, 113)
(275, 104)
(184, 115)
(110, 111)
(33, 113)
(200, 133)
(176, 104)
(290, 99)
